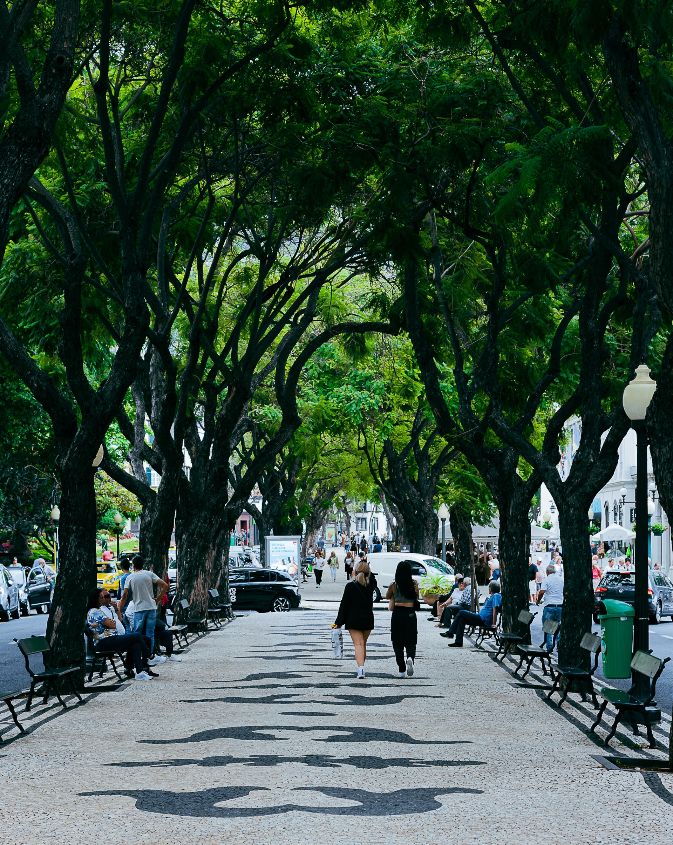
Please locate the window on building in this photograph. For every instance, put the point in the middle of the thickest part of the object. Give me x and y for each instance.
(360, 523)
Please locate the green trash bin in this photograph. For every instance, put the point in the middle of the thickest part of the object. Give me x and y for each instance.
(616, 618)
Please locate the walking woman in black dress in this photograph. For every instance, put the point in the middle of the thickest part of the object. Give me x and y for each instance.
(356, 612)
(402, 596)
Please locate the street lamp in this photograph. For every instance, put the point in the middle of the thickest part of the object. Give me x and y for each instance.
(623, 492)
(98, 459)
(118, 527)
(55, 517)
(443, 514)
(637, 397)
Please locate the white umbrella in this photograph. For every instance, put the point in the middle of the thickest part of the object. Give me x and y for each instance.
(537, 532)
(614, 532)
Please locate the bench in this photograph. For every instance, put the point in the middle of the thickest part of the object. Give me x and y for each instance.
(193, 623)
(96, 661)
(529, 653)
(576, 676)
(487, 632)
(216, 610)
(637, 707)
(177, 631)
(508, 640)
(51, 679)
(8, 698)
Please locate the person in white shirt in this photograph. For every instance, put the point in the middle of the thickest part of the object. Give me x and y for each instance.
(104, 622)
(551, 590)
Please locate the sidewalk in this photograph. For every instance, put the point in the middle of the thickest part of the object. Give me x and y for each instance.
(261, 737)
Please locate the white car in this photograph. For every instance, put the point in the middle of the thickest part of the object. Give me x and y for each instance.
(384, 564)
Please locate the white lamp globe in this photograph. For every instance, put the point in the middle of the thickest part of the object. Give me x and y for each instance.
(638, 394)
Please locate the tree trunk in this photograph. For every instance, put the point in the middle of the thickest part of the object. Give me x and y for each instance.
(197, 563)
(513, 556)
(156, 525)
(578, 596)
(77, 569)
(421, 530)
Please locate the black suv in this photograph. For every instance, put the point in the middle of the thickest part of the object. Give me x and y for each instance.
(252, 588)
(622, 586)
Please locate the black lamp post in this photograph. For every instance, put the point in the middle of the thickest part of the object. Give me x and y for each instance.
(443, 514)
(637, 397)
(118, 527)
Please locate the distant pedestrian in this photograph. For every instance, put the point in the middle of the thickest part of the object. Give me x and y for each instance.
(532, 584)
(348, 565)
(333, 563)
(318, 566)
(356, 612)
(403, 596)
(551, 591)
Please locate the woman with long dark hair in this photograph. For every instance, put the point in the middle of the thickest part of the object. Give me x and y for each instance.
(402, 596)
(356, 612)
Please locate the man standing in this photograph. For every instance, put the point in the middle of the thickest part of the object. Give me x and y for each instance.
(551, 590)
(140, 585)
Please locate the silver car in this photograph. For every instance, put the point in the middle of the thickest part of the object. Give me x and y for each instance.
(9, 596)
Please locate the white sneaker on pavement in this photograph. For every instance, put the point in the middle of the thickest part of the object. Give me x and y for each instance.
(401, 674)
(155, 661)
(143, 676)
(174, 658)
(410, 667)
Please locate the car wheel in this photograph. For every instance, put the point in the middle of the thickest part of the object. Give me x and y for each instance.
(25, 610)
(377, 595)
(281, 604)
(39, 608)
(16, 613)
(4, 614)
(656, 619)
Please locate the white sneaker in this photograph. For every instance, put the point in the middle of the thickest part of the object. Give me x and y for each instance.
(360, 672)
(410, 667)
(174, 658)
(143, 676)
(402, 675)
(155, 661)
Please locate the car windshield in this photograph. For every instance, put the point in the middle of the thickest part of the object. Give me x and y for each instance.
(104, 568)
(619, 579)
(436, 563)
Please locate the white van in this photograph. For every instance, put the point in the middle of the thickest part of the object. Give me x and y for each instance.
(384, 564)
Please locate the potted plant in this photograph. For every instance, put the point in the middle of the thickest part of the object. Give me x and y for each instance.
(657, 529)
(433, 586)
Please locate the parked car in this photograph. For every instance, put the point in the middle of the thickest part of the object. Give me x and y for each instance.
(39, 591)
(384, 564)
(108, 575)
(622, 586)
(9, 596)
(252, 588)
(20, 577)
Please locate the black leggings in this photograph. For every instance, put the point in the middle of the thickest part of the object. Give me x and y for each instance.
(318, 576)
(404, 634)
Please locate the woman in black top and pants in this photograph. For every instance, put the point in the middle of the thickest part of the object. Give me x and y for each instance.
(403, 597)
(356, 612)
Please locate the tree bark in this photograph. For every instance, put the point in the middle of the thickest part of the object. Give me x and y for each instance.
(156, 525)
(421, 527)
(578, 595)
(77, 577)
(513, 554)
(660, 430)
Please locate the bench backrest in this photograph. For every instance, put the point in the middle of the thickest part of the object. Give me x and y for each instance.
(650, 666)
(183, 604)
(33, 645)
(591, 643)
(214, 594)
(526, 617)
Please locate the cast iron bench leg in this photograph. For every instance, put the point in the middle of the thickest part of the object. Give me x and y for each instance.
(75, 691)
(613, 729)
(599, 716)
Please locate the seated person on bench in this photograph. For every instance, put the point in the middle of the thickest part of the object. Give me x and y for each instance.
(461, 599)
(109, 636)
(444, 600)
(487, 616)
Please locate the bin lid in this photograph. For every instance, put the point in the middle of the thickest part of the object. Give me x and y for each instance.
(612, 607)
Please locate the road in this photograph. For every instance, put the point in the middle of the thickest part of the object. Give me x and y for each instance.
(13, 673)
